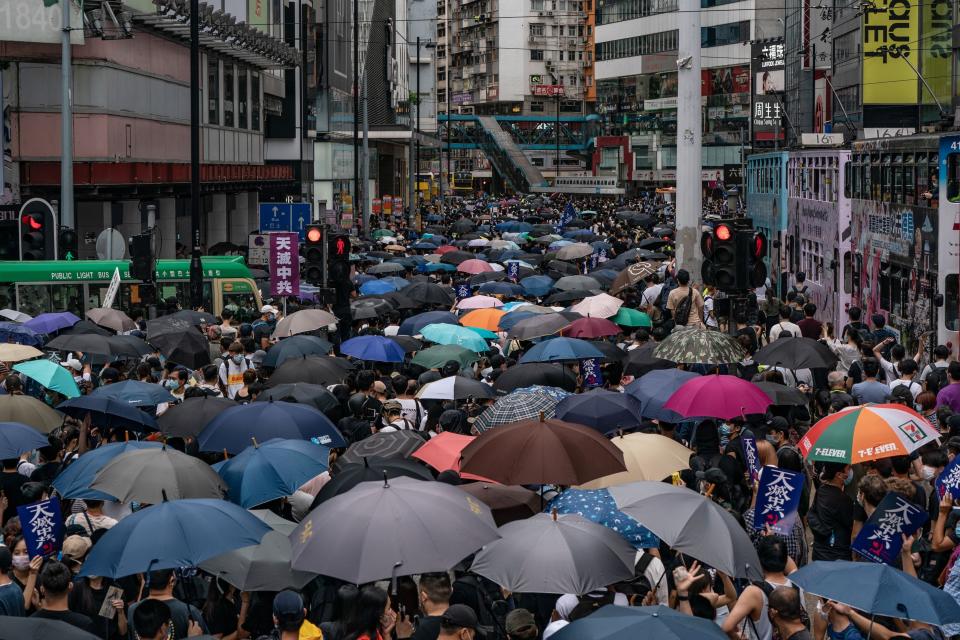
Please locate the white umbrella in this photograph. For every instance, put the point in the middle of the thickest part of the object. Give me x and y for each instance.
(598, 306)
(455, 388)
(15, 316)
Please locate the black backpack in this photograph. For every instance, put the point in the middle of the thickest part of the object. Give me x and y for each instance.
(767, 589)
(682, 313)
(936, 379)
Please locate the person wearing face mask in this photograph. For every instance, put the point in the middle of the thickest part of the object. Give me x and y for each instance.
(25, 572)
(831, 516)
(232, 369)
(263, 328)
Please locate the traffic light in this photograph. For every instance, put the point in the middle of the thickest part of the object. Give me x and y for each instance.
(338, 264)
(720, 263)
(38, 229)
(141, 257)
(68, 244)
(313, 254)
(756, 244)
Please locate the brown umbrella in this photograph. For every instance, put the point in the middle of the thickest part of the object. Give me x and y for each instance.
(30, 411)
(632, 275)
(506, 503)
(304, 321)
(112, 319)
(542, 452)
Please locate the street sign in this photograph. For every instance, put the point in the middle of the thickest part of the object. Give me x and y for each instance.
(258, 250)
(112, 290)
(284, 216)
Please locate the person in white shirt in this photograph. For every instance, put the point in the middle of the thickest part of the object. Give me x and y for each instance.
(393, 419)
(651, 294)
(232, 368)
(784, 327)
(907, 370)
(941, 354)
(655, 573)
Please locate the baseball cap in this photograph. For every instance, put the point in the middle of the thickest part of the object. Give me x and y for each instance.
(778, 423)
(392, 405)
(268, 308)
(75, 547)
(459, 615)
(72, 363)
(518, 621)
(288, 606)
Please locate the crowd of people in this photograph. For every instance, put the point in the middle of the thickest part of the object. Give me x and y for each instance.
(871, 363)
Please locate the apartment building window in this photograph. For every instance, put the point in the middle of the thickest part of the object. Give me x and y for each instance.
(255, 101)
(638, 45)
(213, 91)
(242, 99)
(228, 95)
(441, 95)
(536, 5)
(723, 34)
(536, 54)
(536, 106)
(572, 81)
(536, 29)
(441, 74)
(619, 10)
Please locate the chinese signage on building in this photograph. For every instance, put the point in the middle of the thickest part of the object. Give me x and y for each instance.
(547, 90)
(284, 264)
(767, 68)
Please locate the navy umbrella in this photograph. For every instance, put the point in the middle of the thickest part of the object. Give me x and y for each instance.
(235, 429)
(169, 535)
(501, 288)
(295, 347)
(612, 623)
(412, 325)
(600, 409)
(274, 469)
(17, 438)
(134, 393)
(19, 334)
(653, 389)
(188, 418)
(74, 481)
(537, 285)
(109, 412)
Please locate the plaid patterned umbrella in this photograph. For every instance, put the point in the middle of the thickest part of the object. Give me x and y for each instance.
(516, 407)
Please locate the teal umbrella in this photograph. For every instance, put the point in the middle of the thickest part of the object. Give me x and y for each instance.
(451, 334)
(51, 375)
(437, 356)
(483, 333)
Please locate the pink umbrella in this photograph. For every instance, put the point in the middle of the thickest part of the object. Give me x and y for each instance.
(591, 328)
(474, 266)
(443, 452)
(447, 248)
(479, 302)
(717, 396)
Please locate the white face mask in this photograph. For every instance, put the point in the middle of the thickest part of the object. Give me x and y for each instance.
(927, 473)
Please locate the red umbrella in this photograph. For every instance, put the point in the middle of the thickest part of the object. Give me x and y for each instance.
(443, 451)
(447, 248)
(542, 452)
(591, 328)
(474, 266)
(717, 396)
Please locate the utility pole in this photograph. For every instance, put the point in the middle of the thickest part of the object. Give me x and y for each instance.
(416, 197)
(556, 179)
(356, 112)
(689, 140)
(415, 129)
(365, 174)
(196, 268)
(66, 121)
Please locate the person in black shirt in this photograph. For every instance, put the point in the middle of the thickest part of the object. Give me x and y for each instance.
(55, 586)
(11, 481)
(831, 516)
(434, 591)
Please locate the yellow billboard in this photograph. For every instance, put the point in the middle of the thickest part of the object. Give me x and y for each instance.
(891, 50)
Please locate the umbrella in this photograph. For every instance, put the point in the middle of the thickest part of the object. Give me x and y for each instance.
(516, 407)
(50, 375)
(592, 327)
(488, 319)
(572, 296)
(234, 429)
(52, 322)
(538, 326)
(699, 346)
(437, 356)
(35, 628)
(384, 529)
(196, 318)
(555, 554)
(134, 393)
(17, 439)
(577, 283)
(409, 344)
(453, 334)
(781, 394)
(304, 321)
(868, 432)
(385, 445)
(151, 476)
(574, 251)
(107, 412)
(506, 503)
(878, 590)
(598, 306)
(274, 521)
(376, 287)
(543, 451)
(561, 350)
(443, 451)
(29, 411)
(385, 268)
(796, 353)
(93, 343)
(313, 369)
(19, 334)
(369, 308)
(633, 275)
(373, 349)
(478, 302)
(274, 469)
(648, 456)
(597, 505)
(412, 325)
(261, 567)
(537, 285)
(613, 622)
(87, 327)
(111, 319)
(169, 535)
(717, 396)
(679, 517)
(655, 388)
(10, 352)
(295, 347)
(536, 373)
(474, 266)
(313, 395)
(179, 341)
(641, 361)
(627, 317)
(455, 388)
(456, 257)
(600, 409)
(187, 419)
(611, 352)
(14, 316)
(74, 481)
(369, 469)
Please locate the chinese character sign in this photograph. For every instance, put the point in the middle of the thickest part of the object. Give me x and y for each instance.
(949, 479)
(513, 270)
(42, 527)
(778, 498)
(751, 455)
(880, 539)
(463, 291)
(594, 260)
(284, 264)
(590, 372)
(569, 213)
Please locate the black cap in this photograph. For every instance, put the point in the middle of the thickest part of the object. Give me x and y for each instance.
(459, 615)
(288, 606)
(778, 423)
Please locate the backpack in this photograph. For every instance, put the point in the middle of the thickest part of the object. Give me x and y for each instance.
(936, 379)
(681, 314)
(491, 613)
(767, 589)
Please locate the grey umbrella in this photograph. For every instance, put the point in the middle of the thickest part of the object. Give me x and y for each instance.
(304, 321)
(261, 567)
(274, 521)
(680, 517)
(577, 283)
(538, 326)
(378, 530)
(151, 476)
(112, 319)
(551, 554)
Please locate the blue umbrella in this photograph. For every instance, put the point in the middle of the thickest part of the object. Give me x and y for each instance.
(424, 246)
(52, 322)
(509, 319)
(613, 623)
(19, 334)
(561, 349)
(878, 590)
(602, 410)
(74, 481)
(655, 388)
(236, 428)
(373, 349)
(16, 439)
(295, 346)
(376, 288)
(396, 281)
(514, 226)
(412, 325)
(537, 285)
(107, 412)
(501, 288)
(274, 469)
(597, 505)
(182, 533)
(134, 393)
(433, 267)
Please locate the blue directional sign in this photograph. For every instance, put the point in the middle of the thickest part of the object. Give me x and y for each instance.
(282, 216)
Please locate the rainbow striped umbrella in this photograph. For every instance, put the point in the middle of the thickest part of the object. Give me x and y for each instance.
(867, 432)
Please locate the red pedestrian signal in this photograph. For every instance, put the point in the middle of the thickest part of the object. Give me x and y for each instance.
(340, 247)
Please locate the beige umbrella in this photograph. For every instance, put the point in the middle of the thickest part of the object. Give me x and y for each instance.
(10, 352)
(574, 251)
(648, 456)
(29, 411)
(111, 319)
(632, 275)
(304, 321)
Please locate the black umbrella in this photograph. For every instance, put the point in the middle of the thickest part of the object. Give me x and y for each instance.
(486, 276)
(557, 269)
(796, 353)
(429, 293)
(456, 257)
(179, 341)
(36, 628)
(653, 243)
(385, 268)
(295, 347)
(536, 373)
(463, 225)
(94, 343)
(314, 395)
(611, 352)
(385, 445)
(408, 343)
(85, 327)
(187, 419)
(642, 361)
(349, 475)
(313, 369)
(368, 307)
(193, 317)
(566, 297)
(132, 344)
(782, 395)
(400, 300)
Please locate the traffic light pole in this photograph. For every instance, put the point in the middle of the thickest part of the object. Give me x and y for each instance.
(66, 120)
(196, 268)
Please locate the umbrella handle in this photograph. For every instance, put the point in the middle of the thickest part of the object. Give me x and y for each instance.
(393, 578)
